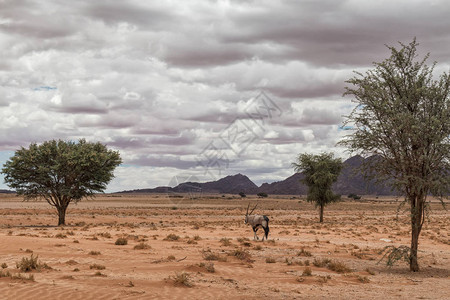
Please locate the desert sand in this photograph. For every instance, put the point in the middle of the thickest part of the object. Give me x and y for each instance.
(201, 249)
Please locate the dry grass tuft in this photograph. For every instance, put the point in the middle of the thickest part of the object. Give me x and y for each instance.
(172, 237)
(142, 246)
(182, 279)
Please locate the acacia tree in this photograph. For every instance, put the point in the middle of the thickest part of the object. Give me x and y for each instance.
(61, 172)
(403, 117)
(320, 171)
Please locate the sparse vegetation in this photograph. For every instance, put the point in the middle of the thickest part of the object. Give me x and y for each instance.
(142, 246)
(30, 264)
(270, 260)
(241, 255)
(172, 237)
(97, 267)
(304, 252)
(207, 266)
(225, 241)
(121, 241)
(182, 279)
(394, 254)
(307, 272)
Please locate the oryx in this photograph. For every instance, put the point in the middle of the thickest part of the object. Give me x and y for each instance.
(257, 221)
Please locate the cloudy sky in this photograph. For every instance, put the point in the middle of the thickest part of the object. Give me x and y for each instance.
(197, 88)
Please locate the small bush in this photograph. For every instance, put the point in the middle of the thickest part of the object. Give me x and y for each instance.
(353, 196)
(99, 274)
(182, 279)
(61, 236)
(320, 263)
(28, 264)
(270, 260)
(241, 255)
(121, 241)
(4, 265)
(307, 272)
(304, 252)
(363, 279)
(97, 267)
(225, 241)
(94, 253)
(338, 267)
(172, 237)
(105, 235)
(394, 254)
(142, 246)
(207, 266)
(208, 255)
(19, 276)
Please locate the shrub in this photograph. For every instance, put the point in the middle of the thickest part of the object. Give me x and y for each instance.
(94, 253)
(353, 196)
(142, 246)
(338, 267)
(242, 194)
(172, 237)
(29, 264)
(181, 279)
(241, 255)
(121, 241)
(4, 265)
(208, 255)
(320, 263)
(270, 260)
(105, 235)
(262, 195)
(207, 266)
(97, 267)
(304, 252)
(307, 272)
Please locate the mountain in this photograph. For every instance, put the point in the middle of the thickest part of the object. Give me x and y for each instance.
(6, 192)
(351, 180)
(232, 184)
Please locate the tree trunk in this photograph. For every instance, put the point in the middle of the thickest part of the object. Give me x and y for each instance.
(321, 213)
(413, 262)
(417, 211)
(62, 215)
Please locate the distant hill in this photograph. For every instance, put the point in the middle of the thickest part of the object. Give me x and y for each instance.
(351, 180)
(6, 192)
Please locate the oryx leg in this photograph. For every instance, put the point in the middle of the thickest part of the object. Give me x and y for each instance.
(255, 229)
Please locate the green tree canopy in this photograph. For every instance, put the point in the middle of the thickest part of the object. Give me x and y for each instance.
(403, 117)
(61, 172)
(320, 172)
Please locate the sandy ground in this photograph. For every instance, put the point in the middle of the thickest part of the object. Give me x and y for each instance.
(201, 249)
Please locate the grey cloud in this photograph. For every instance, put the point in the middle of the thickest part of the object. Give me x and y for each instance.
(138, 13)
(324, 116)
(163, 161)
